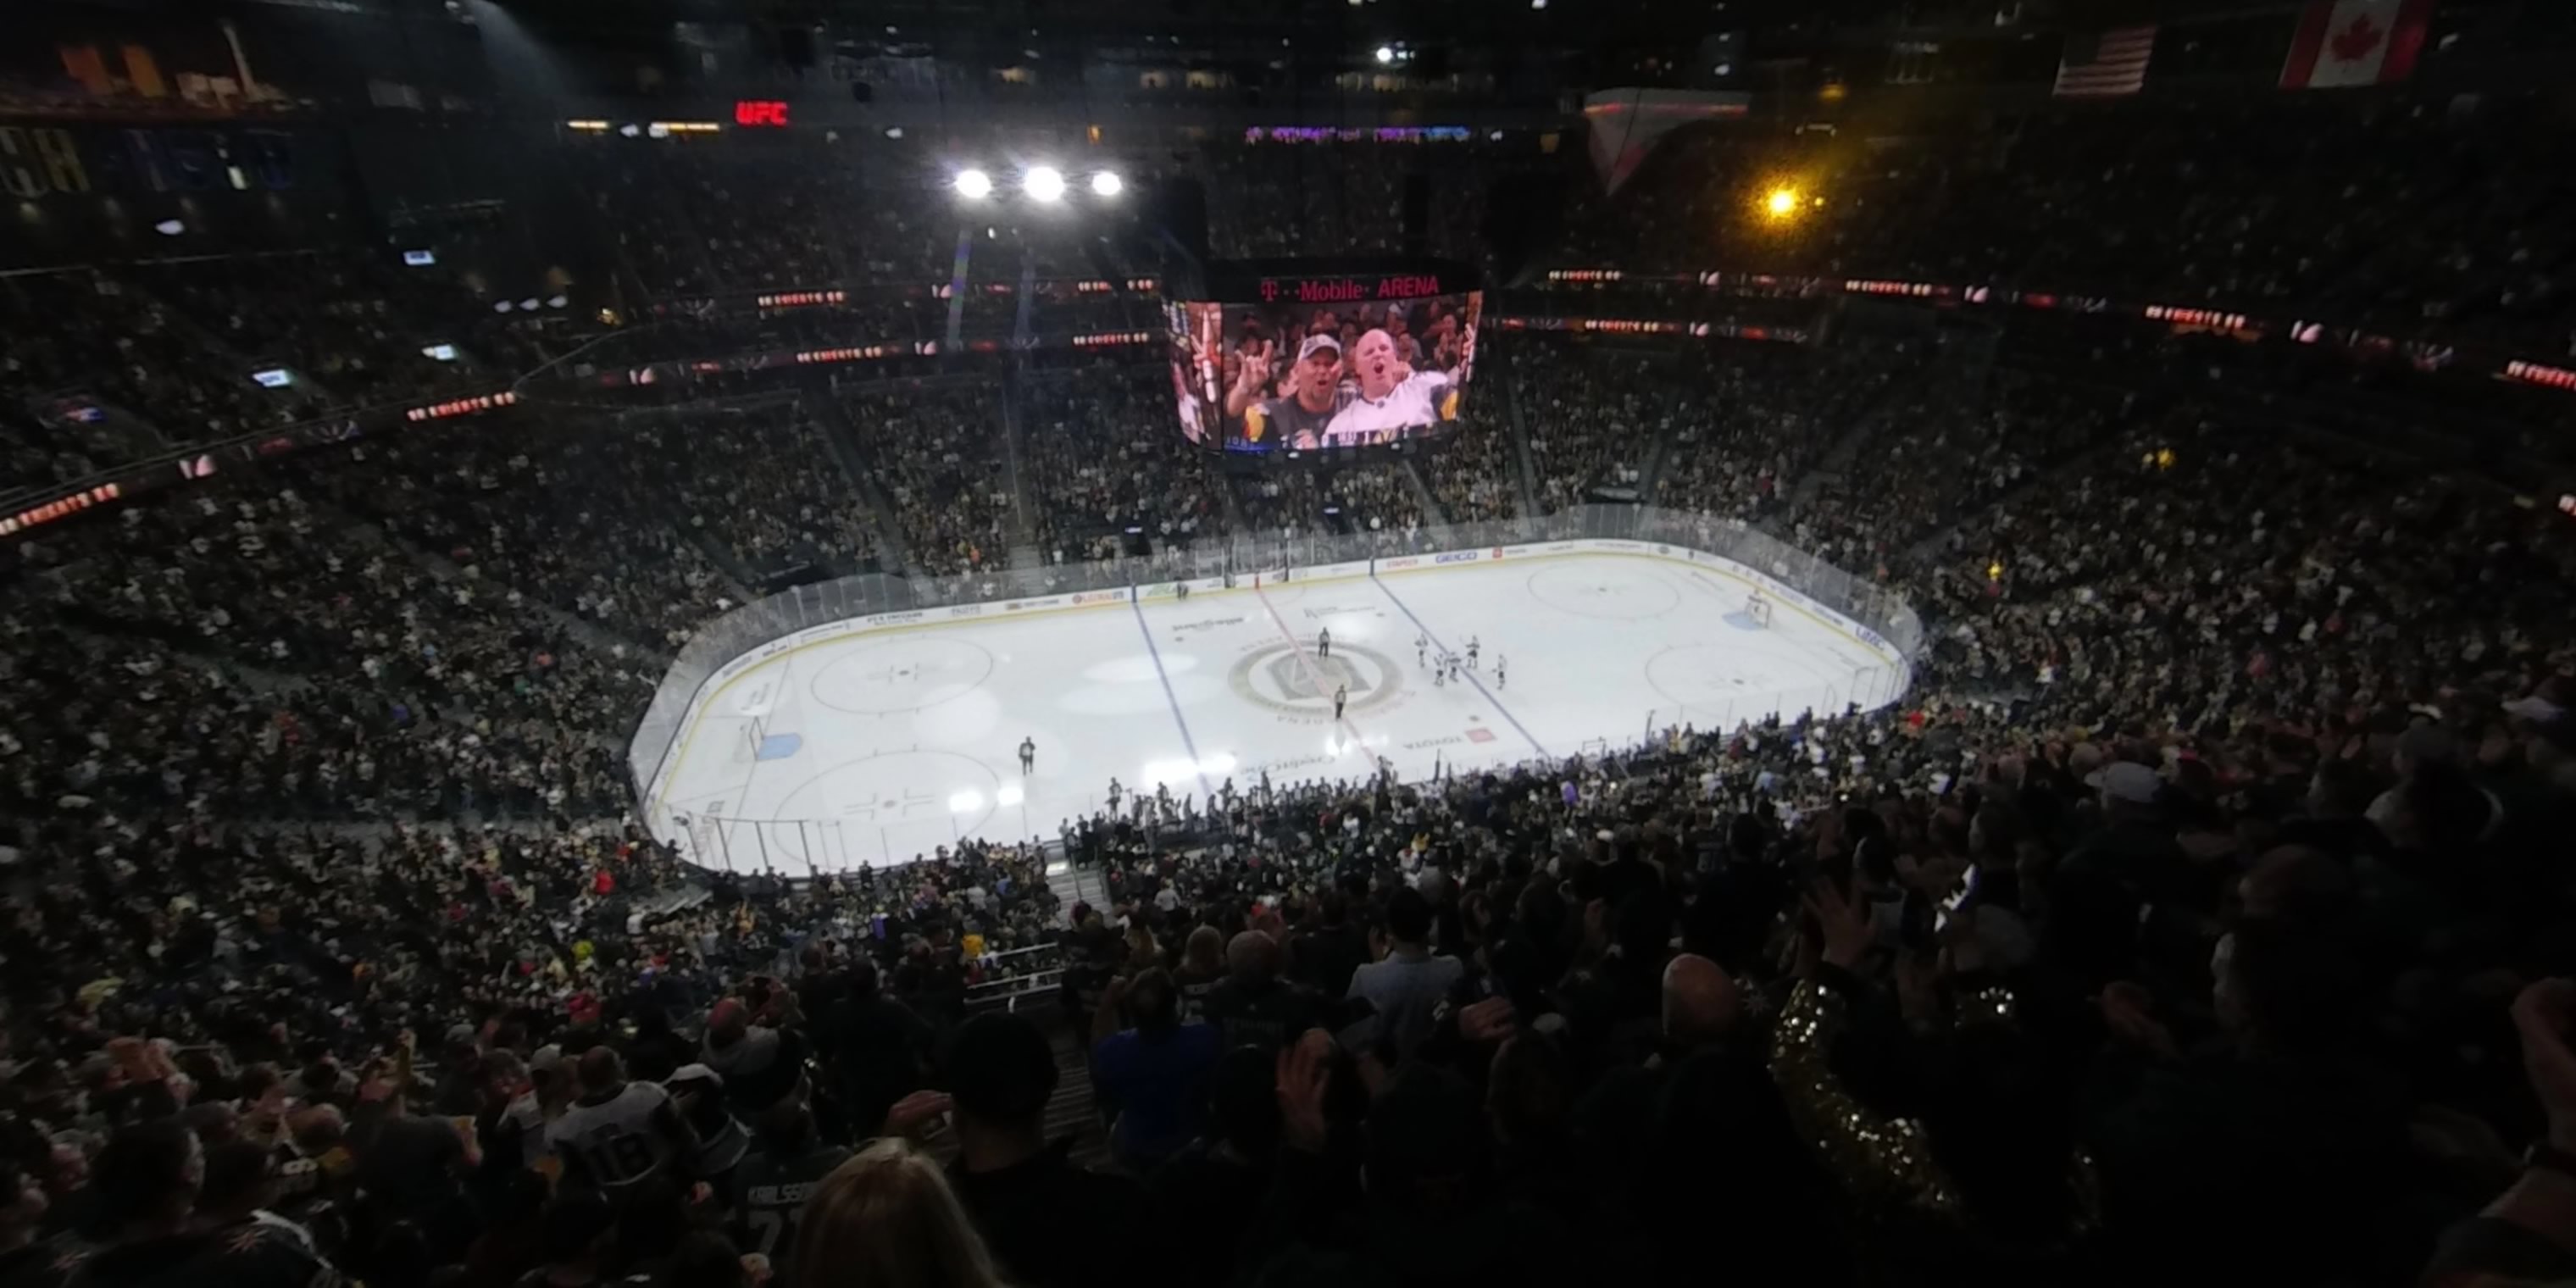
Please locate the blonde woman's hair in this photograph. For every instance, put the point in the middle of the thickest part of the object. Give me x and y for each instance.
(887, 1219)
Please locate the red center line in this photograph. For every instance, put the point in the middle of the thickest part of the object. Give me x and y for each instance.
(1312, 676)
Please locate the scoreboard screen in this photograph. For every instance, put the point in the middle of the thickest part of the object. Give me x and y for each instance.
(1293, 357)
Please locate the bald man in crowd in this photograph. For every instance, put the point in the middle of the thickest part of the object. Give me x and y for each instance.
(1392, 397)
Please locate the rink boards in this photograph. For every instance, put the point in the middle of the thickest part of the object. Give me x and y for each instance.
(724, 678)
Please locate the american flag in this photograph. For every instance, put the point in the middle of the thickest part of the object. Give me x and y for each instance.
(2114, 62)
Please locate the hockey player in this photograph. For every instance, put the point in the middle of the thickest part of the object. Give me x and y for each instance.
(1341, 696)
(1471, 652)
(1421, 650)
(1498, 670)
(1324, 643)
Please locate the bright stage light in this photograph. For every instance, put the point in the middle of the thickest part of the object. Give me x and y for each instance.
(1107, 184)
(974, 185)
(1043, 183)
(1782, 202)
(1385, 55)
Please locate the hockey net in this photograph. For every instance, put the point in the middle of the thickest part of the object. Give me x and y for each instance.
(748, 734)
(1757, 609)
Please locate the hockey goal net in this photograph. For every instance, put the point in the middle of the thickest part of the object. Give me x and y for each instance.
(748, 735)
(1757, 609)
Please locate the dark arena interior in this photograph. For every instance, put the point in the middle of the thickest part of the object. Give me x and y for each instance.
(707, 643)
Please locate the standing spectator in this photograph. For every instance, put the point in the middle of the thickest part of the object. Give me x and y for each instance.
(1410, 981)
(1049, 1223)
(1153, 1076)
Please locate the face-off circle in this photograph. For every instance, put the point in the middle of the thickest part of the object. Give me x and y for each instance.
(900, 793)
(908, 673)
(1595, 591)
(1274, 678)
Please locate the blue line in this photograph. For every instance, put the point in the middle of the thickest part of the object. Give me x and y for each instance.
(1168, 696)
(1507, 715)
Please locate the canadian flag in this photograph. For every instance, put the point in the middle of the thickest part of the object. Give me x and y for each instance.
(2356, 42)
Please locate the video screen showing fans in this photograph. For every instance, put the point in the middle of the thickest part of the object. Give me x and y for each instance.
(1280, 377)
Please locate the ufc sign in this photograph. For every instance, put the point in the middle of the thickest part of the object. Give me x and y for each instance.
(760, 112)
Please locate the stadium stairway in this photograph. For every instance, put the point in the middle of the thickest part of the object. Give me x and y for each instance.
(1024, 528)
(841, 439)
(1835, 464)
(725, 558)
(446, 571)
(1421, 489)
(1074, 1109)
(1652, 471)
(1524, 470)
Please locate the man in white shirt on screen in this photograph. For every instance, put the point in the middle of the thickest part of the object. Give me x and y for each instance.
(1392, 396)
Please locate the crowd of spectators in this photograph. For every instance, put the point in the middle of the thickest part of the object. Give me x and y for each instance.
(1280, 502)
(937, 448)
(1936, 452)
(1723, 433)
(83, 347)
(1472, 475)
(1376, 499)
(1103, 458)
(326, 317)
(575, 514)
(2414, 233)
(760, 481)
(2197, 913)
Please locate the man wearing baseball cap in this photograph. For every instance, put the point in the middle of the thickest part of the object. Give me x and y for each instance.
(1308, 398)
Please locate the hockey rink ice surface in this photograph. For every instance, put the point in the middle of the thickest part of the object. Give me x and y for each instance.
(875, 748)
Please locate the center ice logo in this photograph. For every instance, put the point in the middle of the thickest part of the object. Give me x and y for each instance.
(1300, 685)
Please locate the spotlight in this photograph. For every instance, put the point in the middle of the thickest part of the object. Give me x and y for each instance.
(1107, 184)
(894, 131)
(1043, 183)
(1385, 55)
(1782, 202)
(169, 228)
(974, 185)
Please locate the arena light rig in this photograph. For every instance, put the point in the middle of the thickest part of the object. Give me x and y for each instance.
(1781, 203)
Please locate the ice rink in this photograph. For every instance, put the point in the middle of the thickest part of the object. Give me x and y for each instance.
(875, 748)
